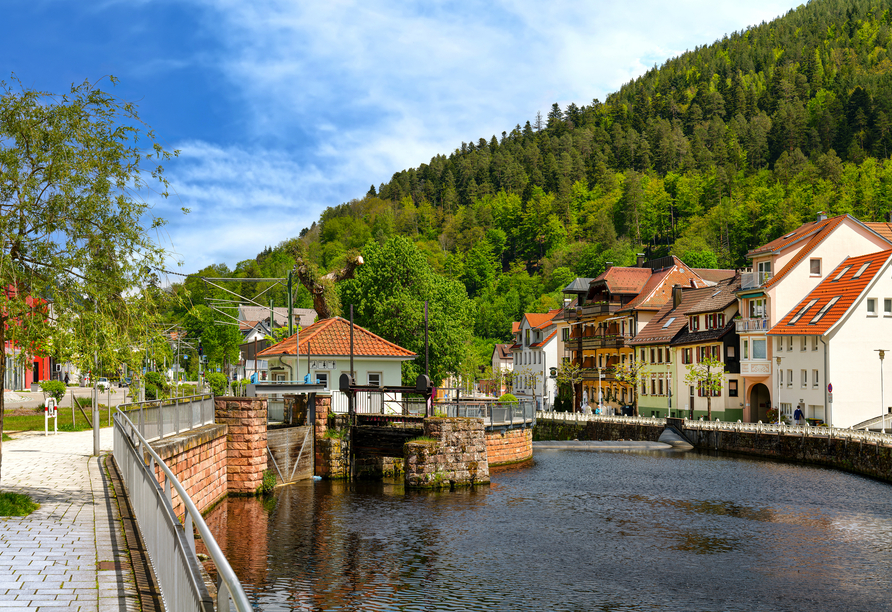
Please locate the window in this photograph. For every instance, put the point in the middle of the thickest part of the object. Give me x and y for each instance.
(887, 307)
(643, 387)
(861, 270)
(730, 352)
(565, 334)
(715, 352)
(668, 323)
(764, 268)
(653, 386)
(780, 377)
(732, 388)
(802, 311)
(659, 355)
(841, 273)
(643, 353)
(826, 307)
(804, 378)
(527, 337)
(757, 308)
(789, 378)
(789, 343)
(653, 353)
(814, 266)
(686, 356)
(695, 323)
(803, 344)
(668, 356)
(760, 350)
(322, 378)
(780, 343)
(814, 379)
(814, 343)
(374, 379)
(871, 307)
(746, 349)
(660, 385)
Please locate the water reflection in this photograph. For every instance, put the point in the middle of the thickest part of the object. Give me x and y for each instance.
(573, 531)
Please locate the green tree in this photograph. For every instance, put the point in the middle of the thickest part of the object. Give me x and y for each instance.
(74, 170)
(569, 375)
(709, 376)
(632, 374)
(388, 294)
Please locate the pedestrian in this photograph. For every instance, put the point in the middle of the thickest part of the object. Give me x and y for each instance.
(798, 417)
(66, 379)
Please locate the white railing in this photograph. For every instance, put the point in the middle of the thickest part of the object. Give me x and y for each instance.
(159, 418)
(749, 325)
(836, 433)
(751, 280)
(170, 544)
(494, 414)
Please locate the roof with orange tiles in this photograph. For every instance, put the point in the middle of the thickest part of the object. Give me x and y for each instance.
(723, 295)
(803, 232)
(503, 351)
(833, 297)
(882, 228)
(515, 327)
(826, 228)
(622, 280)
(670, 320)
(332, 337)
(658, 289)
(538, 320)
(544, 342)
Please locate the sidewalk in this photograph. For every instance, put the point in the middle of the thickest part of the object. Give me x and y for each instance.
(70, 554)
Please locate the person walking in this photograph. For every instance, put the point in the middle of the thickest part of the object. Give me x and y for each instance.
(798, 417)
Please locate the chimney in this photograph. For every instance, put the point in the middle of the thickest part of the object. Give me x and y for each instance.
(888, 217)
(608, 265)
(822, 216)
(639, 263)
(676, 296)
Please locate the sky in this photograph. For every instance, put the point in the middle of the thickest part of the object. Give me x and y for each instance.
(280, 109)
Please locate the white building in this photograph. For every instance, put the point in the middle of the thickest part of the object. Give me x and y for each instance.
(324, 354)
(832, 337)
(535, 351)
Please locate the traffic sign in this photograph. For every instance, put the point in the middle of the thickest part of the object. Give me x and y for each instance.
(829, 387)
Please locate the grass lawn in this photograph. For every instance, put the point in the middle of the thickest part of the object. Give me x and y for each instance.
(16, 504)
(35, 421)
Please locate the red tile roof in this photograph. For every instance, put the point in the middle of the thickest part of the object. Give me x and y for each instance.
(332, 337)
(802, 232)
(621, 280)
(669, 321)
(538, 320)
(882, 228)
(544, 342)
(515, 327)
(847, 289)
(713, 275)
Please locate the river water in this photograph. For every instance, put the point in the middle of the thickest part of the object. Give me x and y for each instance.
(573, 530)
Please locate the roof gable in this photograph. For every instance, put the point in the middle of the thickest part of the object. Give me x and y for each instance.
(332, 337)
(671, 320)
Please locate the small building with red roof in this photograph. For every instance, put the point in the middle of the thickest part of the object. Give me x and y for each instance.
(535, 352)
(322, 350)
(832, 337)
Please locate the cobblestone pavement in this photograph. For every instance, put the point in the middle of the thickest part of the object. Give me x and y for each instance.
(70, 554)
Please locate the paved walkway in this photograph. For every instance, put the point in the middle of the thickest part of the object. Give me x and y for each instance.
(55, 558)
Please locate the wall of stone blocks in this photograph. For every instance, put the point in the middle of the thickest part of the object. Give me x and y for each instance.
(198, 459)
(246, 419)
(509, 446)
(456, 458)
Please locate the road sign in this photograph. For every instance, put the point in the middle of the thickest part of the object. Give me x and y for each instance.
(829, 387)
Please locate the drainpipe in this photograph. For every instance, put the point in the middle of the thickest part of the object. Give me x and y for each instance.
(828, 409)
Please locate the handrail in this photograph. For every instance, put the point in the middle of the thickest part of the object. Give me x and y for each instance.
(139, 409)
(717, 425)
(173, 592)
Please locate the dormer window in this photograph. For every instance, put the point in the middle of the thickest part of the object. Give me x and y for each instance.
(861, 270)
(824, 309)
(841, 273)
(694, 323)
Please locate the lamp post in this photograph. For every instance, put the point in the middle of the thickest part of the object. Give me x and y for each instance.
(778, 388)
(882, 353)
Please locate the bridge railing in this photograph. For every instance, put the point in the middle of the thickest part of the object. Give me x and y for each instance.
(170, 544)
(156, 419)
(838, 433)
(494, 414)
(378, 402)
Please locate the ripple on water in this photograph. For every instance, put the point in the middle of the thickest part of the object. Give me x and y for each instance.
(573, 531)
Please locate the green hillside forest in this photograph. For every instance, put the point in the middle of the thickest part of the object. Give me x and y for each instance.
(707, 156)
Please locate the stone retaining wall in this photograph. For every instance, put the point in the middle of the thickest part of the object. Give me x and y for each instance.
(594, 430)
(198, 459)
(457, 457)
(509, 446)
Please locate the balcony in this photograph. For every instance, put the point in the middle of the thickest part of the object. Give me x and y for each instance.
(591, 310)
(753, 280)
(752, 325)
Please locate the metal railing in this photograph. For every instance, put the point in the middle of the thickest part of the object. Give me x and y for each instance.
(836, 433)
(170, 544)
(371, 402)
(159, 418)
(752, 280)
(494, 414)
(747, 325)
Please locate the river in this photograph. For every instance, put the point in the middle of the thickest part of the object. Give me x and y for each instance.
(570, 531)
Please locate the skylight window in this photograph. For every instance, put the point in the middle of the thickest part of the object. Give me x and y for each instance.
(668, 323)
(824, 310)
(788, 235)
(801, 312)
(841, 273)
(861, 270)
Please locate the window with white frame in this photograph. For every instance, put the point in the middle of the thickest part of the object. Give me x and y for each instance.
(322, 378)
(374, 379)
(789, 378)
(887, 307)
(814, 343)
(757, 308)
(814, 266)
(814, 379)
(871, 307)
(780, 377)
(760, 350)
(780, 343)
(803, 344)
(804, 378)
(789, 343)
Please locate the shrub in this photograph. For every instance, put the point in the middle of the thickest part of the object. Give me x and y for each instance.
(16, 504)
(217, 382)
(54, 388)
(268, 483)
(509, 398)
(151, 392)
(156, 379)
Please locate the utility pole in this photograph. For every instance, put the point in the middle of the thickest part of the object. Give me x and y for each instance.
(290, 305)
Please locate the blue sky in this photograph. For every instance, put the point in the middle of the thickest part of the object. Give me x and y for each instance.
(282, 108)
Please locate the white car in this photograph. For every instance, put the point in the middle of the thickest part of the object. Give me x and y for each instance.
(102, 383)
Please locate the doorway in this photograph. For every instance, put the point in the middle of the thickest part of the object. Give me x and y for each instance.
(760, 403)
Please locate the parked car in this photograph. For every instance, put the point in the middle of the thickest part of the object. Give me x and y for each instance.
(102, 383)
(125, 382)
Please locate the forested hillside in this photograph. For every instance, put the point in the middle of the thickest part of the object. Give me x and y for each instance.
(721, 149)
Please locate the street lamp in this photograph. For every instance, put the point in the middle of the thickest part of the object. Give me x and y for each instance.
(882, 353)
